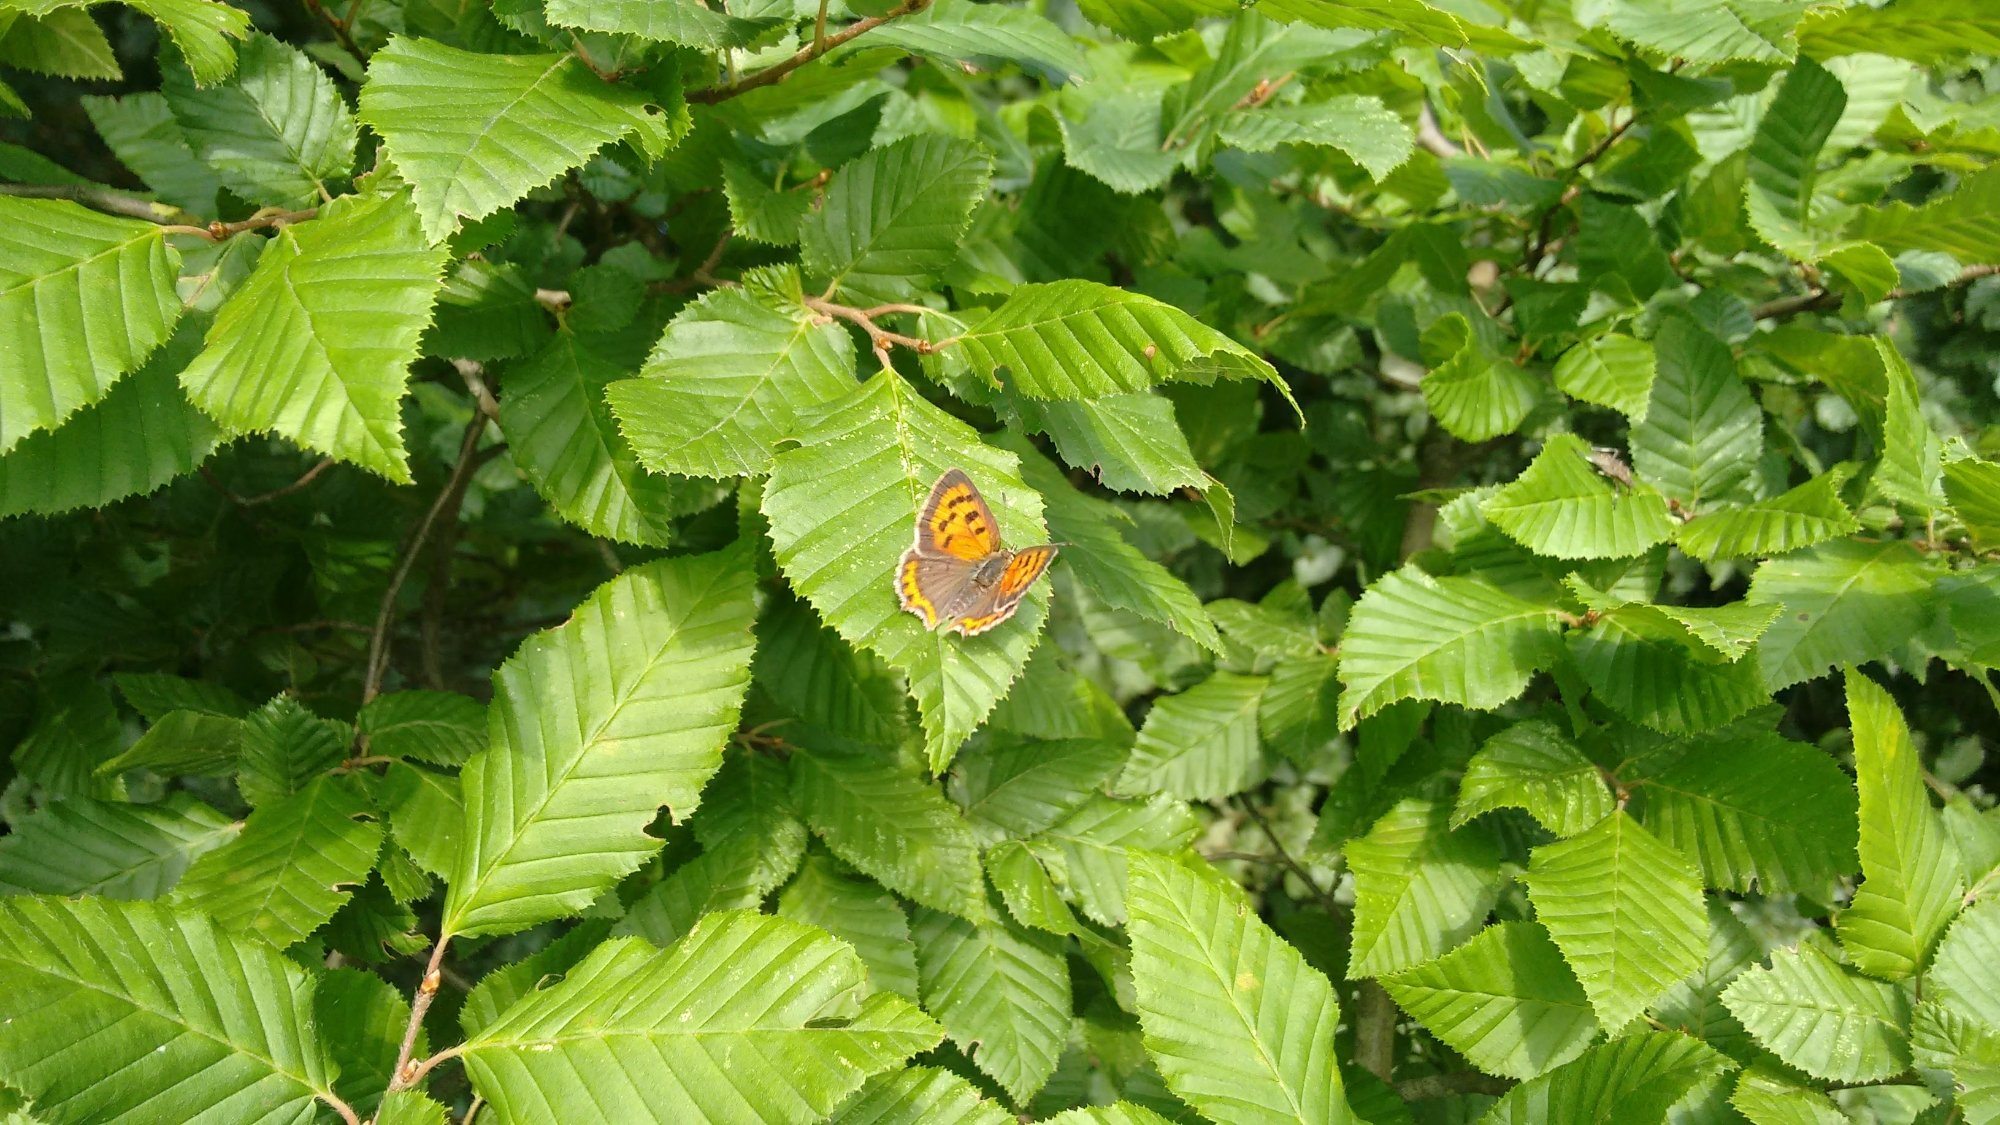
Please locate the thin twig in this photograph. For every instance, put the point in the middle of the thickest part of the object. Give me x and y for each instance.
(879, 338)
(307, 478)
(105, 200)
(705, 272)
(1820, 299)
(339, 28)
(474, 375)
(378, 641)
(1327, 902)
(268, 217)
(819, 46)
(1431, 139)
(408, 1071)
(345, 1111)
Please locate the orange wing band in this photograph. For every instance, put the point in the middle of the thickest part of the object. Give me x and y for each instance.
(958, 522)
(1024, 568)
(912, 594)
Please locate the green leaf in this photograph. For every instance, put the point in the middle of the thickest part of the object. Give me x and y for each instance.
(1505, 1000)
(141, 131)
(1532, 766)
(1300, 711)
(894, 216)
(1562, 507)
(1086, 851)
(1018, 787)
(277, 132)
(1962, 976)
(1645, 665)
(1001, 992)
(286, 748)
(202, 30)
(560, 432)
(1412, 18)
(859, 912)
(718, 879)
(1201, 743)
(1778, 196)
(60, 42)
(1964, 223)
(881, 816)
(916, 1095)
(1077, 339)
(1909, 471)
(750, 802)
(1802, 517)
(487, 311)
(140, 435)
(1767, 1094)
(426, 812)
(1455, 640)
(1613, 370)
(1713, 802)
(84, 298)
(1823, 1017)
(761, 212)
(132, 1011)
(809, 671)
(1703, 432)
(1973, 486)
(1626, 911)
(1420, 887)
(872, 457)
(1845, 602)
(688, 23)
(1359, 126)
(1629, 1081)
(295, 863)
(1923, 33)
(748, 1018)
(1029, 891)
(1116, 573)
(1474, 395)
(1202, 960)
(83, 847)
(1114, 137)
(729, 379)
(343, 300)
(987, 36)
(656, 661)
(514, 122)
(1130, 443)
(440, 727)
(1909, 876)
(1147, 21)
(362, 1018)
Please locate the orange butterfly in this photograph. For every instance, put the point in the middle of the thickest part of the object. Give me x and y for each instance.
(958, 572)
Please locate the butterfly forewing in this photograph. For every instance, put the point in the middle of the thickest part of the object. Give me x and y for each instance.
(956, 520)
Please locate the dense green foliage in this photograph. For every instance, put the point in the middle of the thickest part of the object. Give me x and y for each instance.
(1524, 649)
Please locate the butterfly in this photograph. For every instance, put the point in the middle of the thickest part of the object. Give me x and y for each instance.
(958, 573)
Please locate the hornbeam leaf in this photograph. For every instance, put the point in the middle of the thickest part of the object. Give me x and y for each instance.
(1626, 911)
(113, 1011)
(595, 725)
(1077, 339)
(1964, 223)
(1962, 977)
(1505, 1000)
(1823, 1017)
(1703, 432)
(1412, 18)
(1203, 960)
(277, 132)
(860, 912)
(1909, 876)
(317, 344)
(1630, 1081)
(920, 1094)
(1927, 33)
(1473, 394)
(843, 508)
(728, 380)
(883, 817)
(474, 132)
(1805, 516)
(561, 434)
(1784, 158)
(1562, 507)
(1001, 992)
(1201, 743)
(1420, 887)
(296, 862)
(84, 298)
(1614, 370)
(79, 846)
(1455, 640)
(1645, 665)
(986, 36)
(895, 216)
(1845, 602)
(688, 23)
(1533, 766)
(749, 1018)
(1358, 125)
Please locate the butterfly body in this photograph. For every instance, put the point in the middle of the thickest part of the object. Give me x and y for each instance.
(958, 575)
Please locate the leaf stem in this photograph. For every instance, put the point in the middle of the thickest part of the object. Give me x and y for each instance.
(1819, 299)
(820, 45)
(879, 338)
(105, 200)
(1325, 897)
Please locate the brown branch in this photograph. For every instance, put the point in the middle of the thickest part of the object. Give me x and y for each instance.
(1327, 902)
(408, 1071)
(1544, 228)
(103, 199)
(879, 338)
(307, 478)
(345, 1111)
(819, 46)
(1375, 1030)
(1449, 1085)
(378, 640)
(1819, 300)
(1431, 139)
(340, 28)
